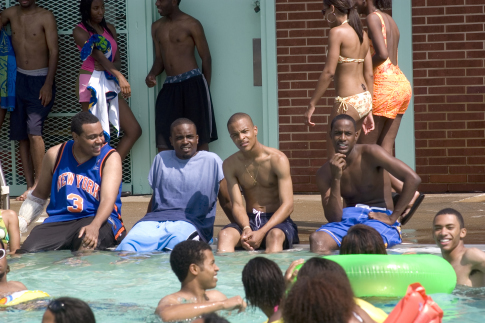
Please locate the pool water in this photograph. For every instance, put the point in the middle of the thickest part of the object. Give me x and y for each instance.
(128, 288)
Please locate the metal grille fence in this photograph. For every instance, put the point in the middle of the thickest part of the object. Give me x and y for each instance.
(57, 125)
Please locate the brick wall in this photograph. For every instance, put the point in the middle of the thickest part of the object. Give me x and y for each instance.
(449, 71)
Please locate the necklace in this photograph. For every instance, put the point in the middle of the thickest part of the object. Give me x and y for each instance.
(255, 182)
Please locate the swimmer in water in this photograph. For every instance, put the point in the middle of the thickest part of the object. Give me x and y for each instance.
(194, 264)
(468, 263)
(7, 287)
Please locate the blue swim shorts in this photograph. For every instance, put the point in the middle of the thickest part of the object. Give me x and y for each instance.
(391, 234)
(157, 236)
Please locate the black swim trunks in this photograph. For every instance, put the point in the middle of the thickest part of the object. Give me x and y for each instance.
(259, 219)
(185, 96)
(64, 236)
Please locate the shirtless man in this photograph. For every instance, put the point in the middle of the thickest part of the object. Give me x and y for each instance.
(357, 174)
(185, 93)
(468, 263)
(194, 264)
(7, 287)
(263, 173)
(34, 40)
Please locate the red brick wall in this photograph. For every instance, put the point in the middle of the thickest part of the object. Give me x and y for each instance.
(449, 71)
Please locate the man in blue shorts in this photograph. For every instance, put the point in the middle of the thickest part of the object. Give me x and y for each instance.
(263, 174)
(185, 185)
(357, 177)
(83, 179)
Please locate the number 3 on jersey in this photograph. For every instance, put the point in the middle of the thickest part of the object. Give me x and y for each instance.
(77, 203)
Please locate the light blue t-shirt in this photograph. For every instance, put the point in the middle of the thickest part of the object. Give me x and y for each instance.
(186, 189)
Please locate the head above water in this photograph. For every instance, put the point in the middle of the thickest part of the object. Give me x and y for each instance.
(324, 298)
(263, 282)
(448, 229)
(362, 239)
(167, 7)
(243, 132)
(194, 259)
(68, 310)
(343, 134)
(4, 268)
(184, 138)
(334, 8)
(92, 12)
(320, 266)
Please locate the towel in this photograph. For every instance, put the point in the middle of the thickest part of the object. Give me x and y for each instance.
(103, 86)
(8, 72)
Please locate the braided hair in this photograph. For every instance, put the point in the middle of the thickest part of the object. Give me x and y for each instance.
(347, 7)
(85, 9)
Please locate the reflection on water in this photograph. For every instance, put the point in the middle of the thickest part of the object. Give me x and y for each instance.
(127, 288)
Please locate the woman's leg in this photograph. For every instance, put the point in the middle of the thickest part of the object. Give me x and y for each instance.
(85, 106)
(131, 128)
(388, 135)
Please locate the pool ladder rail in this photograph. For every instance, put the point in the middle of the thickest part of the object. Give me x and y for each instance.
(5, 195)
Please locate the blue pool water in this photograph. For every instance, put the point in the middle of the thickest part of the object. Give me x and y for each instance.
(127, 289)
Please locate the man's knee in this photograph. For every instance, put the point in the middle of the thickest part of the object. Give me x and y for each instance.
(321, 242)
(275, 235)
(228, 233)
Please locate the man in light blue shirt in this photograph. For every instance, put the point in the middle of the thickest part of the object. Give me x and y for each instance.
(186, 184)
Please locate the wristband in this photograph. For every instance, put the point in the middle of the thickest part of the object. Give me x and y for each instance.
(246, 227)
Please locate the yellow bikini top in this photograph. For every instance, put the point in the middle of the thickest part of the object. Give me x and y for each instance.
(342, 59)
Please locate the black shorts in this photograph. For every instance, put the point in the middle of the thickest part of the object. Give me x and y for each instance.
(64, 236)
(29, 114)
(288, 227)
(187, 99)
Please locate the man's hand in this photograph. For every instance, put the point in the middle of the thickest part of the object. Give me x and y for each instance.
(368, 125)
(337, 165)
(234, 303)
(379, 216)
(291, 273)
(91, 233)
(245, 236)
(308, 115)
(151, 80)
(45, 94)
(255, 239)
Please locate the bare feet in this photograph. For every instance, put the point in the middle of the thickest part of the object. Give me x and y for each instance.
(24, 195)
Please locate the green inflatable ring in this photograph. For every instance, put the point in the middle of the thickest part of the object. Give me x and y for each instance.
(390, 275)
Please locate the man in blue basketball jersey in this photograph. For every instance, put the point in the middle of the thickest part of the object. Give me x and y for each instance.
(83, 179)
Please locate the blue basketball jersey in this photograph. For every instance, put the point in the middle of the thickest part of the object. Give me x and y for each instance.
(76, 188)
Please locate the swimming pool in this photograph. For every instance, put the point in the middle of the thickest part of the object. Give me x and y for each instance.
(127, 289)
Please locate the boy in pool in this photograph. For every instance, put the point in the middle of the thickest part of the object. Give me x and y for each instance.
(468, 263)
(194, 264)
(7, 287)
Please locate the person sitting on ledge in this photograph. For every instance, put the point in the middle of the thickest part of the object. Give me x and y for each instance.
(468, 263)
(194, 265)
(186, 184)
(356, 175)
(263, 174)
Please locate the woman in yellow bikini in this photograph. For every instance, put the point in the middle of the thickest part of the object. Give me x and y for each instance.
(349, 64)
(392, 91)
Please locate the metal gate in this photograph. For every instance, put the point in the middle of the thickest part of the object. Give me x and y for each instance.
(58, 124)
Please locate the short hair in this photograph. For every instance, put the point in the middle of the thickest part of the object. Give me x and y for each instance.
(343, 117)
(69, 310)
(323, 298)
(239, 115)
(320, 266)
(263, 282)
(213, 318)
(362, 239)
(454, 212)
(383, 4)
(81, 119)
(185, 254)
(180, 121)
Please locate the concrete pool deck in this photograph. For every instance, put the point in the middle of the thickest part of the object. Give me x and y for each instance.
(308, 215)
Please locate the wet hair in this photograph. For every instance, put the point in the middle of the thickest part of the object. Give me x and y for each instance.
(343, 117)
(322, 298)
(239, 115)
(213, 318)
(320, 266)
(71, 310)
(263, 282)
(85, 9)
(347, 7)
(185, 254)
(362, 239)
(454, 212)
(383, 4)
(180, 121)
(81, 119)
